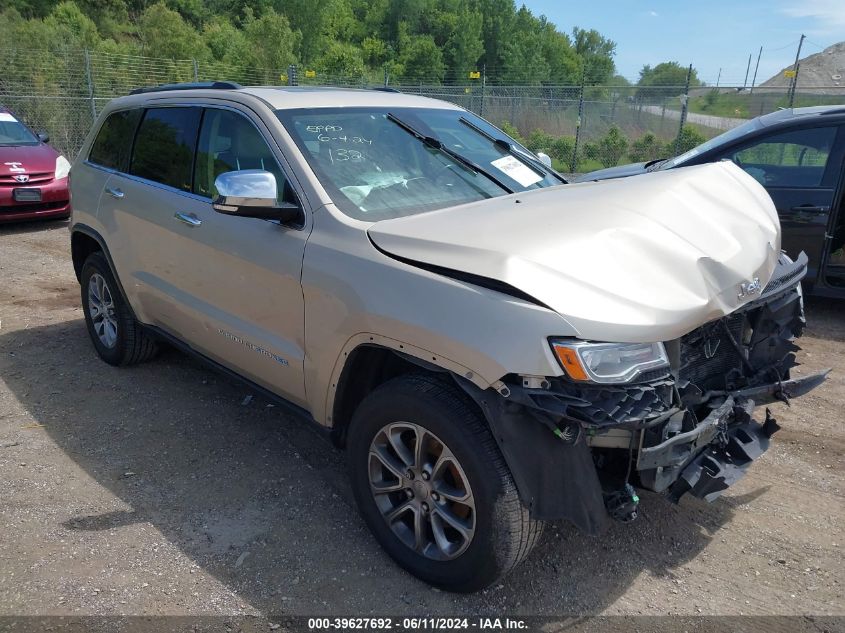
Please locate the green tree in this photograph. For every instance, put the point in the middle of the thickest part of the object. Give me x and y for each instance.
(646, 148)
(165, 33)
(422, 60)
(612, 147)
(464, 46)
(664, 80)
(375, 51)
(227, 43)
(564, 62)
(510, 129)
(75, 27)
(342, 61)
(540, 141)
(562, 149)
(596, 53)
(524, 61)
(688, 138)
(275, 45)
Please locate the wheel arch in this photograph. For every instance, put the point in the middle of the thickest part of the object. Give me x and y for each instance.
(84, 241)
(369, 360)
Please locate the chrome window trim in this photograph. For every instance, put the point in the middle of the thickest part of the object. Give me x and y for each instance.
(283, 165)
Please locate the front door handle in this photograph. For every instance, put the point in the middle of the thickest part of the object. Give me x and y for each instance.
(189, 219)
(114, 192)
(809, 208)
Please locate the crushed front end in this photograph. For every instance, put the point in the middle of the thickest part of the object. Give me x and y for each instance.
(686, 427)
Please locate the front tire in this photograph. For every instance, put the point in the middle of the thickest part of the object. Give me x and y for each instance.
(433, 487)
(118, 338)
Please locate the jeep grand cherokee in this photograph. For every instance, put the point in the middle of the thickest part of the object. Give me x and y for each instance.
(493, 347)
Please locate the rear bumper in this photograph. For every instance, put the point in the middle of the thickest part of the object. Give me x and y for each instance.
(55, 202)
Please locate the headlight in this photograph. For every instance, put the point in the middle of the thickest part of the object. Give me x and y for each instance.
(609, 362)
(62, 167)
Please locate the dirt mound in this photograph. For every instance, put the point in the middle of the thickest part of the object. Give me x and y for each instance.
(820, 70)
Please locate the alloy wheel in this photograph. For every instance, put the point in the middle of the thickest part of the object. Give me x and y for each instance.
(102, 310)
(421, 491)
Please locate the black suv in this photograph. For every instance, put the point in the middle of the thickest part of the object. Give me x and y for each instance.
(797, 155)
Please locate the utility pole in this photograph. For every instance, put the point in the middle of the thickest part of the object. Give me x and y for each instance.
(795, 77)
(747, 68)
(718, 77)
(756, 68)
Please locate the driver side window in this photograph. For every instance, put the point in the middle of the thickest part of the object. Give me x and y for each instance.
(230, 142)
(790, 159)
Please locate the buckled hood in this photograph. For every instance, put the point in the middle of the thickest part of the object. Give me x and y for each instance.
(643, 259)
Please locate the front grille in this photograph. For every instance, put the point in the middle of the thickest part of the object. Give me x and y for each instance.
(33, 206)
(8, 180)
(790, 275)
(709, 360)
(607, 404)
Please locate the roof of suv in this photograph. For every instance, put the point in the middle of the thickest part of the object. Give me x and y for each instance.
(292, 97)
(794, 114)
(326, 97)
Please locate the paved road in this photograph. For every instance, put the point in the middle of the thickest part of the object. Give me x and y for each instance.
(717, 122)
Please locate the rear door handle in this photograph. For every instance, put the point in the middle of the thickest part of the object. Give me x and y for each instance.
(809, 208)
(114, 192)
(189, 219)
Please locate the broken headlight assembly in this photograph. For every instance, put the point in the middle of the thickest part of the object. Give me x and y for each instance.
(609, 363)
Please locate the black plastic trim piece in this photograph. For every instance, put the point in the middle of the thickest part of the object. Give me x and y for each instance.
(182, 346)
(555, 479)
(197, 85)
(93, 234)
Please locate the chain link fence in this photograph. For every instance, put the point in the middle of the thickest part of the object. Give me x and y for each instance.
(581, 127)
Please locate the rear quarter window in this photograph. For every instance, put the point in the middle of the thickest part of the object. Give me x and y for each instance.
(165, 145)
(113, 144)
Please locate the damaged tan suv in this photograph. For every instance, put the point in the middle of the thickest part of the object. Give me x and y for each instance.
(493, 347)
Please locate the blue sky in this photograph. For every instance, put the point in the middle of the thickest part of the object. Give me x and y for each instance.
(709, 34)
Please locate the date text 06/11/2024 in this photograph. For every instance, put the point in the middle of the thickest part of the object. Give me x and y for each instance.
(421, 623)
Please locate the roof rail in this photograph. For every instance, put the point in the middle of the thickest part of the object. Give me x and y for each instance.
(385, 89)
(197, 85)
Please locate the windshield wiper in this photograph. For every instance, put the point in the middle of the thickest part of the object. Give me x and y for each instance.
(652, 165)
(437, 144)
(517, 153)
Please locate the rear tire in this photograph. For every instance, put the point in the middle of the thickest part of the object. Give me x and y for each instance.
(118, 338)
(465, 545)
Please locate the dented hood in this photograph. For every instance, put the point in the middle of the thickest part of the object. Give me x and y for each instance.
(643, 259)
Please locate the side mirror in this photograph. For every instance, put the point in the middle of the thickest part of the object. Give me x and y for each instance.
(251, 193)
(44, 137)
(545, 159)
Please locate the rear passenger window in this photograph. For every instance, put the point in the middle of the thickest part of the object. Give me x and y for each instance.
(164, 146)
(230, 142)
(114, 141)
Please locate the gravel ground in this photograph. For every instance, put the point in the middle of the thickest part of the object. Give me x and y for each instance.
(154, 490)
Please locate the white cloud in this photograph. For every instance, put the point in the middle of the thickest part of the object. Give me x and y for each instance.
(828, 15)
(653, 14)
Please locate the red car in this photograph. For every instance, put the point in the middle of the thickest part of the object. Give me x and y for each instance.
(33, 175)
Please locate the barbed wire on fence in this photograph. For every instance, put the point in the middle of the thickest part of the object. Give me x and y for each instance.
(582, 127)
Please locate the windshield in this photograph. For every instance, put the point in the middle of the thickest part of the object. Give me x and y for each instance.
(13, 132)
(375, 167)
(722, 139)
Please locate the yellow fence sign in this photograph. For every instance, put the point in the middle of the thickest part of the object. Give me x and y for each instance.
(310, 73)
(474, 74)
(789, 73)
